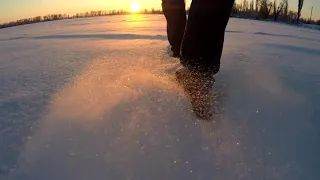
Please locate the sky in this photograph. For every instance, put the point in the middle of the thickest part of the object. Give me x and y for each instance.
(18, 9)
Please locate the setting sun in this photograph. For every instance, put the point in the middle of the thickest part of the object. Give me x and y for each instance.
(135, 7)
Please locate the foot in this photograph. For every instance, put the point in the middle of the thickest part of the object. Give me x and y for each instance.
(175, 54)
(185, 76)
(198, 87)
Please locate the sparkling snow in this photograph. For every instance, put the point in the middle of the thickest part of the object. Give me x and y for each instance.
(94, 98)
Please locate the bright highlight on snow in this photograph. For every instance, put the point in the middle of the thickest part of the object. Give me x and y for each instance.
(135, 7)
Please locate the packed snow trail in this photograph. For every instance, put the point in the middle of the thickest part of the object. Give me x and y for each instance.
(95, 99)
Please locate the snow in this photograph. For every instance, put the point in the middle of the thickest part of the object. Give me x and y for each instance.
(95, 98)
(311, 26)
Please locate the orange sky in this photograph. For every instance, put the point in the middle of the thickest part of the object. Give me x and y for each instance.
(18, 9)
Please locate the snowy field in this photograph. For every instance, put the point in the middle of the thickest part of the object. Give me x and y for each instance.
(95, 99)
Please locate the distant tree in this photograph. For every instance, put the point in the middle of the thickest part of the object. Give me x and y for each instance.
(37, 19)
(245, 6)
(252, 6)
(274, 7)
(257, 5)
(265, 8)
(311, 14)
(300, 5)
(252, 9)
(240, 7)
(277, 9)
(292, 16)
(234, 10)
(285, 10)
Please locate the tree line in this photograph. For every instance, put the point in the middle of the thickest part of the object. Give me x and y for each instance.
(278, 10)
(54, 17)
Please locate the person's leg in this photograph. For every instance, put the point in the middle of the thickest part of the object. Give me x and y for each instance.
(204, 35)
(175, 13)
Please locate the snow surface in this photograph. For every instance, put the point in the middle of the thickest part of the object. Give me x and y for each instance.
(311, 26)
(95, 98)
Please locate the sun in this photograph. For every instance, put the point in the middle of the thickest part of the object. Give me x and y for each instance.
(135, 7)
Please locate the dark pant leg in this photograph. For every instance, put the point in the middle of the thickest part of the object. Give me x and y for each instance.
(204, 35)
(175, 13)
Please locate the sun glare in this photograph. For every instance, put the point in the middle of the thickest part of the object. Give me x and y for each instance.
(135, 7)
